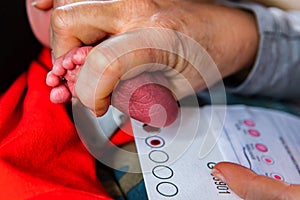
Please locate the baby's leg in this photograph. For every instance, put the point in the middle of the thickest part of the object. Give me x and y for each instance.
(64, 74)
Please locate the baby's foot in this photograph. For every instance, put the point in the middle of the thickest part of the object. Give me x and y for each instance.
(63, 76)
(145, 97)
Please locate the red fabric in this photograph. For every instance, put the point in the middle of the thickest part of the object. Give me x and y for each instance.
(41, 155)
(124, 135)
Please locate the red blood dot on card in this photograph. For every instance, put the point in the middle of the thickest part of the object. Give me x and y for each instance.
(254, 133)
(261, 147)
(277, 177)
(268, 160)
(249, 122)
(155, 142)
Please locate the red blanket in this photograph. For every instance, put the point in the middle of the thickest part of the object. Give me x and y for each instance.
(41, 155)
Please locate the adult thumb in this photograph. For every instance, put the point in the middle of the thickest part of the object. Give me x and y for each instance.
(129, 54)
(250, 186)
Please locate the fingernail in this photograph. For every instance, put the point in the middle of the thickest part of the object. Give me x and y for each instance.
(34, 3)
(218, 175)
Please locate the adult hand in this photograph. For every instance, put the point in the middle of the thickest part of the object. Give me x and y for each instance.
(87, 23)
(39, 13)
(250, 186)
(49, 4)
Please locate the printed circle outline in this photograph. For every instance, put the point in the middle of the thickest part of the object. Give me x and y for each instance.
(159, 138)
(166, 167)
(153, 151)
(167, 195)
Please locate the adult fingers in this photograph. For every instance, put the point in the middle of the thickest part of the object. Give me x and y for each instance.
(43, 4)
(84, 22)
(39, 13)
(120, 57)
(48, 4)
(149, 49)
(250, 186)
(57, 3)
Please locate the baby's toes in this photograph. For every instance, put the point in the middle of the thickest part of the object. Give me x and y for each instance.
(67, 63)
(58, 68)
(60, 94)
(81, 54)
(52, 80)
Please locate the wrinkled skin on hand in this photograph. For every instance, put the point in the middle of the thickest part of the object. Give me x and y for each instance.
(90, 22)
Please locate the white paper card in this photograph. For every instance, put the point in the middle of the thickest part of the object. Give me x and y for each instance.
(177, 160)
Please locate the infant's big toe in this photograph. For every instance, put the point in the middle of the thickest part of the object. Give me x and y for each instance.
(52, 80)
(68, 64)
(60, 94)
(58, 70)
